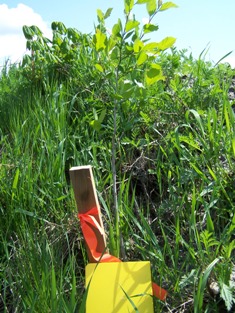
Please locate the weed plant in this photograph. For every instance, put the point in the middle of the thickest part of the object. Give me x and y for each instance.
(175, 160)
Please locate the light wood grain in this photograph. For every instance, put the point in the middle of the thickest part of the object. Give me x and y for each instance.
(86, 198)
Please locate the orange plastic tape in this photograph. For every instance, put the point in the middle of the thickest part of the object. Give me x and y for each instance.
(88, 223)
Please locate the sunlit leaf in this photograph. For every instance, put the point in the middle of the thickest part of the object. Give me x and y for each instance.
(151, 7)
(128, 5)
(166, 43)
(131, 24)
(148, 28)
(126, 89)
(116, 29)
(142, 1)
(99, 67)
(153, 74)
(99, 40)
(151, 47)
(111, 43)
(108, 13)
(142, 58)
(138, 45)
(100, 15)
(168, 5)
(96, 125)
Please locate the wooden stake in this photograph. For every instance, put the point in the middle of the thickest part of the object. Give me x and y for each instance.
(86, 198)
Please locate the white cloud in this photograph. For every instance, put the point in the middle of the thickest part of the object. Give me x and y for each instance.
(12, 40)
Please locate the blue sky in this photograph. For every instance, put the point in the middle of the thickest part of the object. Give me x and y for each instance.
(196, 24)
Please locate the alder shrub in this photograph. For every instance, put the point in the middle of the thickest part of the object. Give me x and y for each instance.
(124, 60)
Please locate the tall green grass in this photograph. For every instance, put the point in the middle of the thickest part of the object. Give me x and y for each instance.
(175, 181)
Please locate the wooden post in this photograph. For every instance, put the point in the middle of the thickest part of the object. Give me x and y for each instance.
(86, 198)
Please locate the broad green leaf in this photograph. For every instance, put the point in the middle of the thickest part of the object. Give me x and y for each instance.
(114, 53)
(120, 24)
(129, 34)
(100, 15)
(138, 45)
(38, 32)
(100, 40)
(142, 58)
(28, 32)
(166, 43)
(128, 47)
(128, 6)
(73, 34)
(111, 43)
(59, 27)
(151, 47)
(108, 13)
(131, 24)
(96, 125)
(151, 7)
(126, 89)
(28, 44)
(142, 1)
(153, 74)
(168, 5)
(148, 28)
(116, 29)
(99, 67)
(57, 40)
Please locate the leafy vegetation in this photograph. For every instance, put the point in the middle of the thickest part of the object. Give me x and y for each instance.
(158, 128)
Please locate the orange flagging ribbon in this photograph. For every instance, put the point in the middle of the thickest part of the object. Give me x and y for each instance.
(88, 223)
